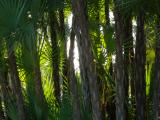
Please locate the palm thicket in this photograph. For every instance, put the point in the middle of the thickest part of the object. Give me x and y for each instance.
(118, 77)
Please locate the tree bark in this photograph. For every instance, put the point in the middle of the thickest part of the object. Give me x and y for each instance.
(83, 73)
(1, 110)
(55, 56)
(4, 83)
(110, 106)
(132, 73)
(78, 7)
(16, 83)
(120, 91)
(128, 45)
(140, 59)
(1, 97)
(3, 80)
(73, 80)
(107, 18)
(38, 81)
(4, 89)
(156, 81)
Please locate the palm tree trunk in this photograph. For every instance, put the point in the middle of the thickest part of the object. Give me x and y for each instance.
(78, 7)
(110, 106)
(73, 81)
(156, 82)
(132, 73)
(4, 83)
(55, 57)
(1, 110)
(16, 83)
(98, 55)
(83, 72)
(120, 91)
(85, 82)
(38, 81)
(107, 18)
(39, 93)
(128, 42)
(4, 89)
(1, 97)
(140, 59)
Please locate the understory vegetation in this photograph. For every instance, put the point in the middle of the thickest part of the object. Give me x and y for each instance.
(79, 59)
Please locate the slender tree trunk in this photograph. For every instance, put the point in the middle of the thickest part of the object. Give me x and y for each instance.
(132, 73)
(107, 26)
(83, 73)
(79, 10)
(55, 56)
(107, 18)
(73, 80)
(34, 82)
(16, 83)
(5, 89)
(62, 27)
(111, 104)
(126, 56)
(128, 42)
(39, 93)
(1, 97)
(98, 55)
(129, 63)
(38, 81)
(1, 110)
(120, 91)
(140, 59)
(156, 81)
(4, 83)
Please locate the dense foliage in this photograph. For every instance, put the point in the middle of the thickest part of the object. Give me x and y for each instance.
(79, 59)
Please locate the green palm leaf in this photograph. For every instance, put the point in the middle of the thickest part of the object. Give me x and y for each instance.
(11, 13)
